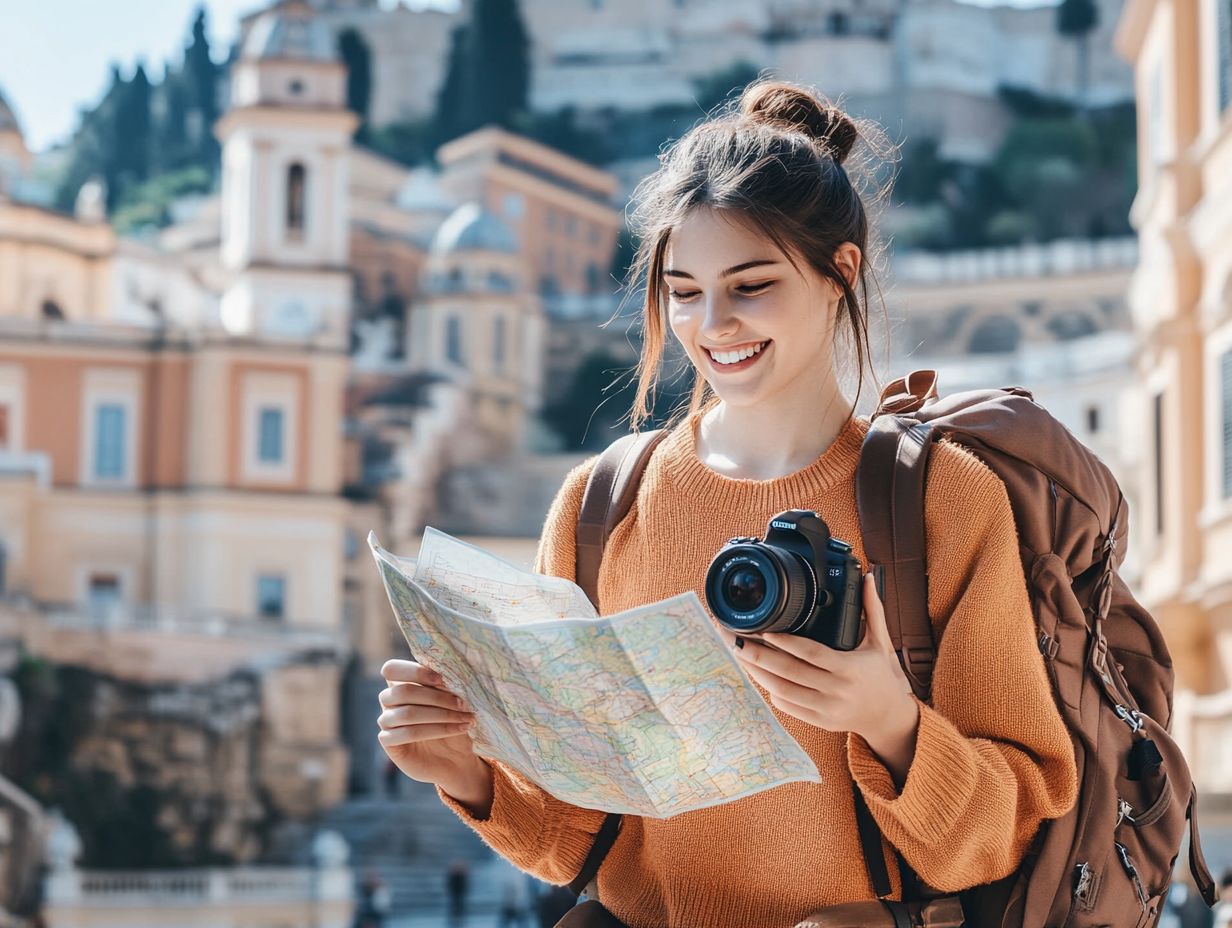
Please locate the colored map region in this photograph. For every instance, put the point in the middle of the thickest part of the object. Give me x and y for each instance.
(643, 713)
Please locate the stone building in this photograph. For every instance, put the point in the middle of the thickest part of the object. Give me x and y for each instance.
(1181, 305)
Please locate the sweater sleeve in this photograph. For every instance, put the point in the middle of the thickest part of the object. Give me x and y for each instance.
(993, 758)
(528, 826)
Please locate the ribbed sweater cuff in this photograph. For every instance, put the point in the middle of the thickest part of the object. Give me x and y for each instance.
(939, 785)
(523, 826)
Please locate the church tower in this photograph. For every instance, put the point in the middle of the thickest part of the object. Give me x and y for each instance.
(285, 156)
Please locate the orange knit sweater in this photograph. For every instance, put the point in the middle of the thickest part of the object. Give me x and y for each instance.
(992, 758)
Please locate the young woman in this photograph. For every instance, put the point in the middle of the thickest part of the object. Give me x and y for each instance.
(754, 247)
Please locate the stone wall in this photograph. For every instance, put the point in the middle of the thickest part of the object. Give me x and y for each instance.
(180, 774)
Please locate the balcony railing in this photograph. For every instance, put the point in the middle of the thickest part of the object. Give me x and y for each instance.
(143, 617)
(1054, 259)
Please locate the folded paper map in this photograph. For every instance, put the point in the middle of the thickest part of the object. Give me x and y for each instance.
(644, 713)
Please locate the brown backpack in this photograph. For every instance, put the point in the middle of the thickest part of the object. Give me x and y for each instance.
(1110, 859)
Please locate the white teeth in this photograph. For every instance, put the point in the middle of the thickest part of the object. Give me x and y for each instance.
(731, 357)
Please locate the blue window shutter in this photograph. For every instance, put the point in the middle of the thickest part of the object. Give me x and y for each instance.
(109, 427)
(271, 596)
(270, 435)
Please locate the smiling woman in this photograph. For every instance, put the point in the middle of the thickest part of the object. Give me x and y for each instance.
(756, 253)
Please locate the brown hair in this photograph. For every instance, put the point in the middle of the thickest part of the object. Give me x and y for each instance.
(779, 158)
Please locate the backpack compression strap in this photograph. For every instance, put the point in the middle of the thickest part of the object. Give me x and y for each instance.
(610, 492)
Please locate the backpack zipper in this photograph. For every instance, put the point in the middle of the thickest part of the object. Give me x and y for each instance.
(1130, 869)
(1082, 883)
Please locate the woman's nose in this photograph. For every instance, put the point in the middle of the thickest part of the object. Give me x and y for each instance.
(719, 319)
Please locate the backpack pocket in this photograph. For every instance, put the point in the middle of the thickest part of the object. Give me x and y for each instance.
(1129, 845)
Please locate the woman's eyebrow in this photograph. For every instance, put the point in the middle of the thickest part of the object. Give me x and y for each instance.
(671, 272)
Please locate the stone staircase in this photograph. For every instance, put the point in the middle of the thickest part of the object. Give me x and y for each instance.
(410, 842)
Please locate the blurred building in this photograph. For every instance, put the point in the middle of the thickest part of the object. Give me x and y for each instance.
(1052, 317)
(1181, 306)
(199, 425)
(934, 66)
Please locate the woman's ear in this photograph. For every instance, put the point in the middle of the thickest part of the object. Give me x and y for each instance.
(847, 259)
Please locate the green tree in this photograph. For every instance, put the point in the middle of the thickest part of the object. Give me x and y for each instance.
(448, 116)
(201, 76)
(487, 76)
(1077, 19)
(358, 60)
(1047, 167)
(132, 134)
(94, 147)
(171, 128)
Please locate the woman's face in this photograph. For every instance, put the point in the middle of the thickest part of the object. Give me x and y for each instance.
(752, 324)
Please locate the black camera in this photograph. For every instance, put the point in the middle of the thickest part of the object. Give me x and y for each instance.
(798, 580)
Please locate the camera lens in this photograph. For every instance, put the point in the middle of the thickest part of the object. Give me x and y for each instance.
(755, 587)
(744, 588)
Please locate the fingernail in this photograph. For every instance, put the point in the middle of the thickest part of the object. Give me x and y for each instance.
(739, 642)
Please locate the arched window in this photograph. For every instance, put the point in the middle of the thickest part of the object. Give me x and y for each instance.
(1071, 325)
(995, 335)
(52, 310)
(295, 199)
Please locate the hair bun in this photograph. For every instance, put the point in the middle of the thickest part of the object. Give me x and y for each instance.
(794, 107)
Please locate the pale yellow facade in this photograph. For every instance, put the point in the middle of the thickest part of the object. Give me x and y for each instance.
(1181, 305)
(560, 208)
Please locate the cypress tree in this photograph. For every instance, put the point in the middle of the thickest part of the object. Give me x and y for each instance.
(449, 102)
(487, 78)
(498, 63)
(201, 75)
(1077, 19)
(358, 61)
(132, 131)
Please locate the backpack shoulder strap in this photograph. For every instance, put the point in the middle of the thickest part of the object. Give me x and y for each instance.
(609, 496)
(890, 481)
(610, 491)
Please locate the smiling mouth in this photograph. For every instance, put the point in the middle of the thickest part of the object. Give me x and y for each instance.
(735, 357)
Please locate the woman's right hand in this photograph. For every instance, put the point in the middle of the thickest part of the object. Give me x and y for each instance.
(424, 730)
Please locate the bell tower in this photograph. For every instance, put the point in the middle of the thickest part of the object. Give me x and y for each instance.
(285, 157)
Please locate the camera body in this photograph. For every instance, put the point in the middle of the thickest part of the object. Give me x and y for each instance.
(798, 580)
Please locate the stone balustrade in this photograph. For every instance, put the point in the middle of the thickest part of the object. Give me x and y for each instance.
(1059, 258)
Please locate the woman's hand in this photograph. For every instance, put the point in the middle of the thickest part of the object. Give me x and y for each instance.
(424, 730)
(863, 691)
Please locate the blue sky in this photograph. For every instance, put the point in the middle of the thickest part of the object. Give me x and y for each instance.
(56, 55)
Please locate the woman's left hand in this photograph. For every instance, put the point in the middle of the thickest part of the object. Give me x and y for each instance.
(863, 691)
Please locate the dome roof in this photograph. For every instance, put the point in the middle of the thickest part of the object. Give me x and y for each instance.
(8, 122)
(289, 29)
(472, 228)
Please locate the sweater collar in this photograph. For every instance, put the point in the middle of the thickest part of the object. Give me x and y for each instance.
(682, 467)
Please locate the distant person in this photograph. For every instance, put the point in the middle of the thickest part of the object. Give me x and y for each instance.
(514, 901)
(457, 886)
(1223, 911)
(374, 903)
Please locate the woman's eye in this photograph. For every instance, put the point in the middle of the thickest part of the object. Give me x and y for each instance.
(682, 294)
(750, 289)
